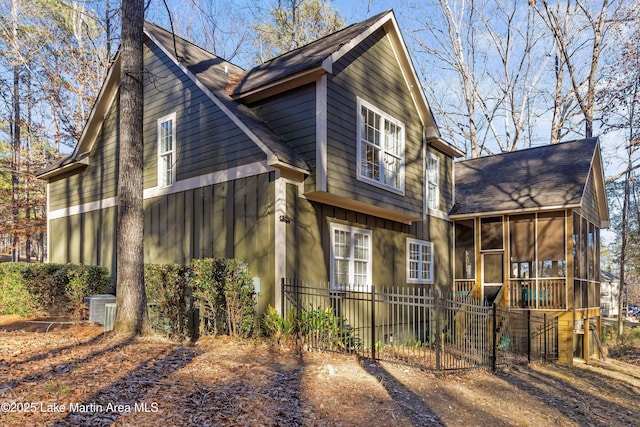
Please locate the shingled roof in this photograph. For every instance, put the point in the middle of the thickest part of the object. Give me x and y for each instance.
(551, 176)
(306, 57)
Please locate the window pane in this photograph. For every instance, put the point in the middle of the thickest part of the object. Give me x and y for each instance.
(361, 246)
(392, 171)
(491, 233)
(551, 237)
(465, 251)
(521, 236)
(493, 268)
(341, 272)
(370, 162)
(392, 138)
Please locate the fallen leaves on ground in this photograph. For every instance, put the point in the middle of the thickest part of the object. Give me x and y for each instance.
(69, 375)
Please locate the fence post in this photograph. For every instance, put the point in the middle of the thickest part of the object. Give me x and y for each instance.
(545, 336)
(494, 339)
(282, 284)
(436, 301)
(373, 322)
(529, 336)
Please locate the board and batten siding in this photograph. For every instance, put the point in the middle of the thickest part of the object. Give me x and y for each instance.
(99, 180)
(87, 238)
(233, 219)
(309, 242)
(207, 140)
(371, 71)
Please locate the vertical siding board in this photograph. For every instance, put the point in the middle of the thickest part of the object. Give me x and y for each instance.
(229, 220)
(207, 242)
(188, 210)
(240, 231)
(218, 220)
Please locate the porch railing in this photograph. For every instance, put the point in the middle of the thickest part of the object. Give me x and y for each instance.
(538, 294)
(463, 287)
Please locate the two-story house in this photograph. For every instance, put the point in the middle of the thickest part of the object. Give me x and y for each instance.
(324, 163)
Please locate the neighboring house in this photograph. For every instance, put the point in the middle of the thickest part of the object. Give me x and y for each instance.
(527, 234)
(324, 163)
(609, 293)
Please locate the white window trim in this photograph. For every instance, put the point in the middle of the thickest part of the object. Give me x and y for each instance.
(385, 117)
(350, 286)
(169, 117)
(429, 157)
(421, 244)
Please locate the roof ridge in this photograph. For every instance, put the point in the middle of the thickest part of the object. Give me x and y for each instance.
(318, 40)
(191, 43)
(543, 146)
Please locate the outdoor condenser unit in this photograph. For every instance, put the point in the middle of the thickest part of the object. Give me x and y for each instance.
(96, 307)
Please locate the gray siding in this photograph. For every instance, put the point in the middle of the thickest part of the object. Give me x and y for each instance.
(292, 115)
(89, 238)
(234, 219)
(97, 181)
(371, 72)
(207, 140)
(590, 208)
(309, 242)
(446, 180)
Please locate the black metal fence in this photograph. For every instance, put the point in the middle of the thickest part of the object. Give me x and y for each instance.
(417, 326)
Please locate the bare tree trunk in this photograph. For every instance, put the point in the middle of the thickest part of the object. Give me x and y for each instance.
(623, 249)
(131, 299)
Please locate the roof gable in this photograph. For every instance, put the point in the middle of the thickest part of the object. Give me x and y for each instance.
(307, 63)
(551, 176)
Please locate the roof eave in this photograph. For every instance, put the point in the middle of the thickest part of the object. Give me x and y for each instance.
(73, 165)
(90, 131)
(273, 88)
(513, 211)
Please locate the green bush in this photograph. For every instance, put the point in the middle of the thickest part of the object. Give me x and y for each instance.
(224, 292)
(51, 289)
(323, 326)
(278, 327)
(15, 298)
(167, 287)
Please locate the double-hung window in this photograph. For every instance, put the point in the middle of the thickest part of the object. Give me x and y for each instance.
(419, 261)
(166, 150)
(350, 258)
(380, 148)
(433, 182)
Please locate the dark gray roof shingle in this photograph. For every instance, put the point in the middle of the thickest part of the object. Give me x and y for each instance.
(535, 178)
(304, 58)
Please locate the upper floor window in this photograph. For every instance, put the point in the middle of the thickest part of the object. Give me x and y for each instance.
(433, 182)
(380, 148)
(350, 258)
(166, 150)
(419, 261)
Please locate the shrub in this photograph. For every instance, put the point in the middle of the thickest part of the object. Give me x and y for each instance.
(224, 292)
(15, 298)
(208, 290)
(324, 326)
(278, 327)
(167, 287)
(53, 289)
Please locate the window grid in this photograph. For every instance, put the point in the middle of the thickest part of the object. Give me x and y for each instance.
(351, 258)
(166, 150)
(419, 261)
(381, 148)
(433, 182)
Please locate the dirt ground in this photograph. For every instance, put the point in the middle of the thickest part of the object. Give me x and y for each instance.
(70, 375)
